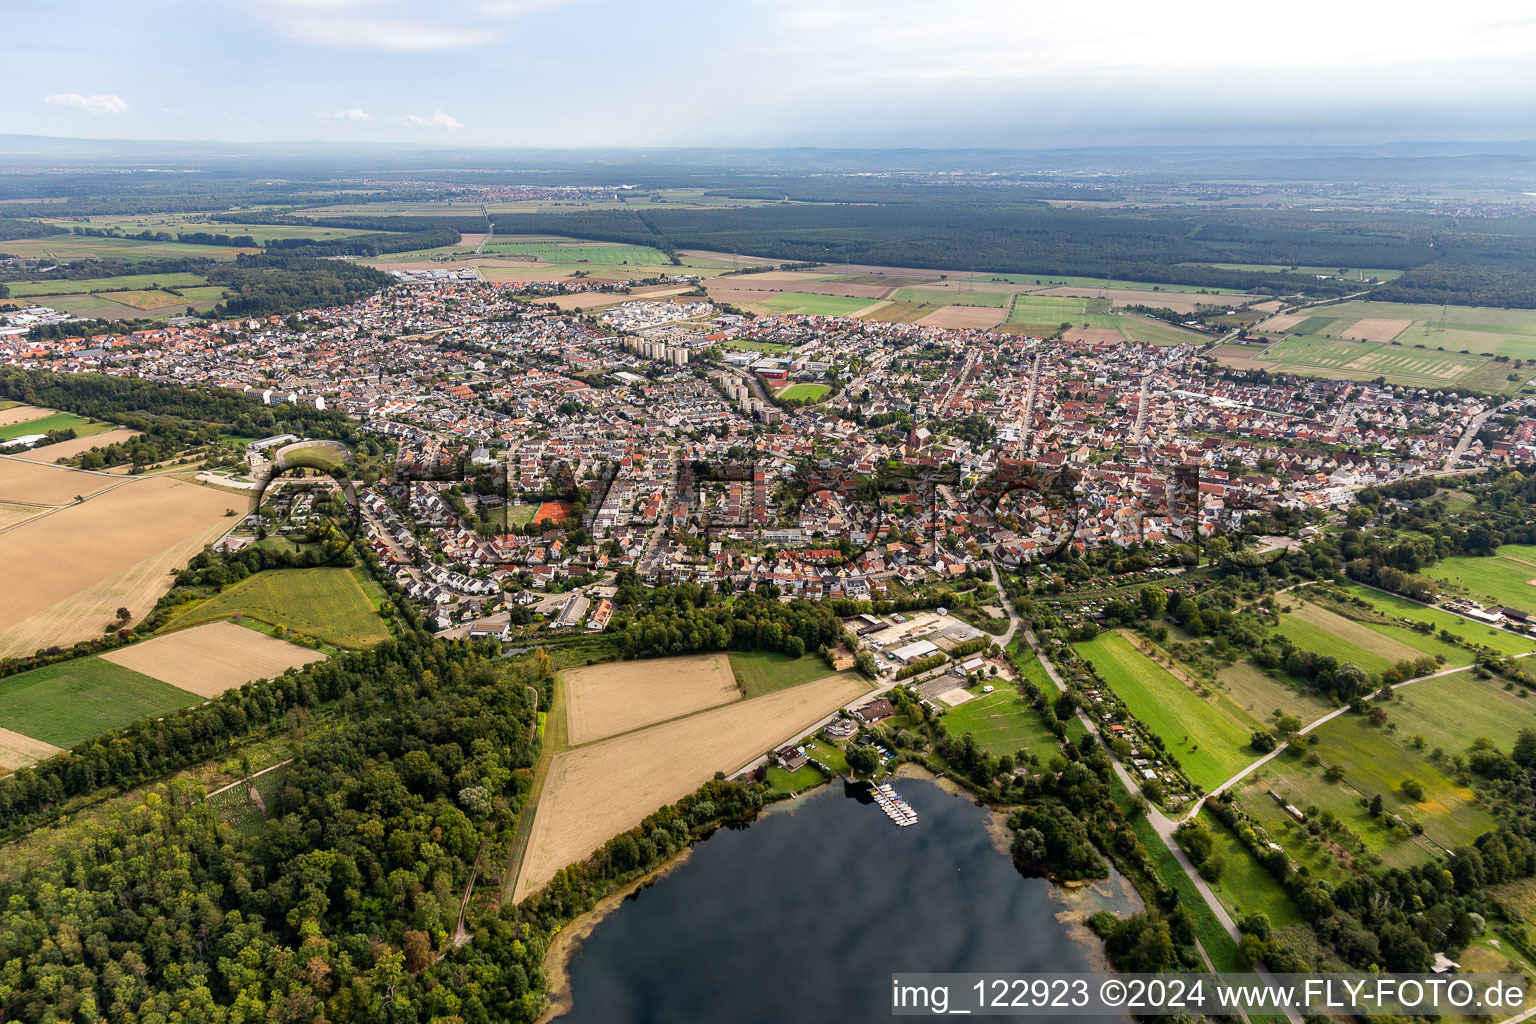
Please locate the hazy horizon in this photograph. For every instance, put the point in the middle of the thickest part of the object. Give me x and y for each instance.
(833, 74)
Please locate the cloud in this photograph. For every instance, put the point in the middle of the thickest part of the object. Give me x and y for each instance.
(396, 24)
(439, 119)
(96, 103)
(350, 114)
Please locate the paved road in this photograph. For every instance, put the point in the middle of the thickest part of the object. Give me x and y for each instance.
(1467, 435)
(1141, 406)
(1161, 823)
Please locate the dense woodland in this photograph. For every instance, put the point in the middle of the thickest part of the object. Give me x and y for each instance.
(686, 618)
(261, 285)
(173, 418)
(339, 905)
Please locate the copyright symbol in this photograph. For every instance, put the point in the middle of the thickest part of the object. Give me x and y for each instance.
(1112, 992)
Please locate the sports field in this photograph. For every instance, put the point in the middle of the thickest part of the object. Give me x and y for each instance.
(805, 392)
(1207, 735)
(63, 704)
(1502, 578)
(69, 571)
(339, 606)
(1002, 723)
(207, 660)
(596, 791)
(605, 700)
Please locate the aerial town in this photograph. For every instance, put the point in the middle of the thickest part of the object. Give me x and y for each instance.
(540, 451)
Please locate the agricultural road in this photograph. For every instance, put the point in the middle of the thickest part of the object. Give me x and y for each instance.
(1161, 823)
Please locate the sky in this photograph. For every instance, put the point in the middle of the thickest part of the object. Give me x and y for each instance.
(857, 73)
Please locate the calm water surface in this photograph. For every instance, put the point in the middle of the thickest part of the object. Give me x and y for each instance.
(803, 916)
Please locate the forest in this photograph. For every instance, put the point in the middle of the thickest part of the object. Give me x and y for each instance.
(686, 618)
(172, 417)
(260, 285)
(338, 905)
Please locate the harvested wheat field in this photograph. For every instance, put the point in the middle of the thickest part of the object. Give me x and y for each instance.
(33, 484)
(1092, 336)
(64, 449)
(1282, 323)
(12, 513)
(1375, 329)
(17, 750)
(22, 414)
(597, 791)
(71, 570)
(977, 317)
(598, 300)
(1179, 302)
(605, 700)
(211, 658)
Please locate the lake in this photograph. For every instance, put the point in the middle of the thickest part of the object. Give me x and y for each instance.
(804, 916)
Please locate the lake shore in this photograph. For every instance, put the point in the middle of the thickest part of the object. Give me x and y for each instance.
(567, 941)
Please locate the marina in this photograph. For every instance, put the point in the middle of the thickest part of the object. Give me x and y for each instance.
(892, 804)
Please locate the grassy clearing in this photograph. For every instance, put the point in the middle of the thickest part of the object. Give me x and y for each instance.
(1245, 886)
(1376, 762)
(1352, 273)
(1002, 723)
(807, 304)
(336, 605)
(900, 312)
(1398, 607)
(1483, 708)
(1261, 695)
(1502, 578)
(941, 296)
(1210, 743)
(1213, 937)
(1315, 629)
(1147, 331)
(70, 247)
(1390, 640)
(1058, 280)
(63, 704)
(58, 421)
(760, 672)
(127, 282)
(1298, 843)
(805, 392)
(575, 252)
